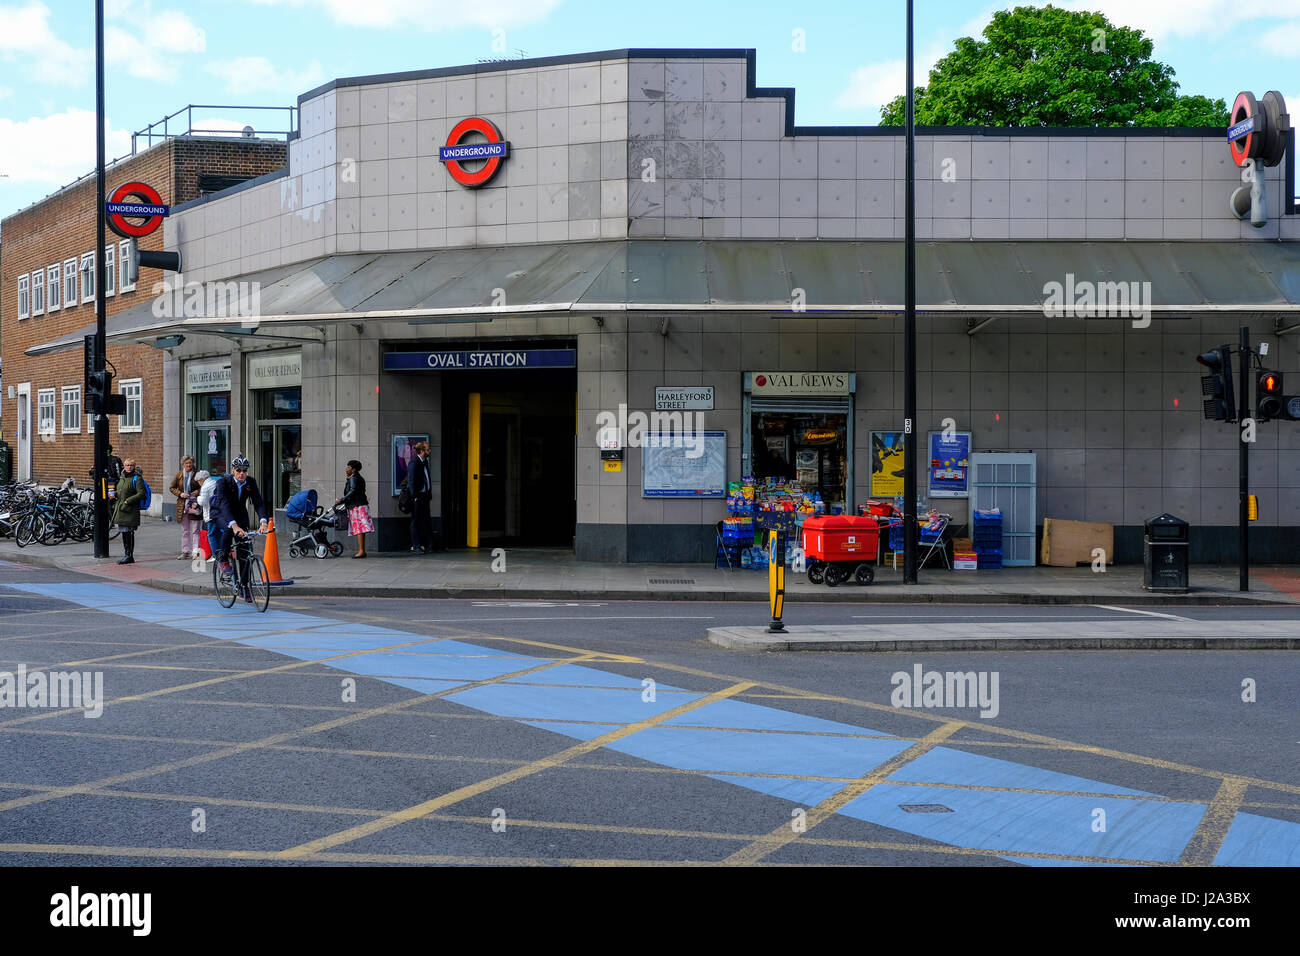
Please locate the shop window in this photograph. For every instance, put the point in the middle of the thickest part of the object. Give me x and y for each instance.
(24, 303)
(133, 420)
(38, 292)
(88, 278)
(124, 264)
(45, 411)
(808, 449)
(54, 285)
(69, 283)
(110, 271)
(71, 408)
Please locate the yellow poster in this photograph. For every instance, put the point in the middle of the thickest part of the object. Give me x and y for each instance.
(886, 464)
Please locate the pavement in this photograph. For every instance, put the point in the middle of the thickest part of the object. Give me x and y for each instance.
(553, 574)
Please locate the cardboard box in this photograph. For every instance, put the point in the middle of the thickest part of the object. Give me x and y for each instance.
(1067, 543)
(964, 564)
(963, 544)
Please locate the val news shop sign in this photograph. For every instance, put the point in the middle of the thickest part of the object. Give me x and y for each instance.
(479, 359)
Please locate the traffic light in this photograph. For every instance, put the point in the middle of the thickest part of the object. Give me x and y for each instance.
(100, 384)
(1219, 403)
(1269, 400)
(137, 257)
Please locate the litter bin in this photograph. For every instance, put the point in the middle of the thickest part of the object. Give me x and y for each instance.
(1164, 554)
(6, 463)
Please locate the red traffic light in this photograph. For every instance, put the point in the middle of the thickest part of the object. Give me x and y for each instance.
(1268, 382)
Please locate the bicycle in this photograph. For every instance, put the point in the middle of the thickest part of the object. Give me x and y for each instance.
(253, 584)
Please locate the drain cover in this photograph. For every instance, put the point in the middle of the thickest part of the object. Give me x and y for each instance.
(924, 808)
(671, 580)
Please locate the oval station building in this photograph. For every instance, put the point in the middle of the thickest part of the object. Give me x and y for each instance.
(604, 286)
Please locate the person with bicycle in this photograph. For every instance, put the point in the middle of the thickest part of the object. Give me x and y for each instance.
(230, 500)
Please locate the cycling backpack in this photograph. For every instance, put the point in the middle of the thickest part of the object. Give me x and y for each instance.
(148, 494)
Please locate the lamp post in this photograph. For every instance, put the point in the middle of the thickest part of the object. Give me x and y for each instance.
(909, 331)
(101, 420)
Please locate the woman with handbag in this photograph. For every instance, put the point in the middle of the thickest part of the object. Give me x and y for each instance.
(185, 486)
(354, 499)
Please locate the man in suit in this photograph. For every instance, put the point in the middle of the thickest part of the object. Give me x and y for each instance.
(229, 508)
(421, 485)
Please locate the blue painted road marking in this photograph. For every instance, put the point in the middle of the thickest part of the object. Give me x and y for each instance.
(735, 741)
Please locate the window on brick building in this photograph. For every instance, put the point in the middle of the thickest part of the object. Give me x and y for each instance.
(55, 287)
(110, 271)
(124, 263)
(88, 277)
(69, 283)
(71, 408)
(24, 303)
(133, 420)
(38, 292)
(45, 411)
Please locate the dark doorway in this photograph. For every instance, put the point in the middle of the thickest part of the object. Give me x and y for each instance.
(526, 457)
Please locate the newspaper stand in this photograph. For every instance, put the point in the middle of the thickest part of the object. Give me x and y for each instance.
(838, 547)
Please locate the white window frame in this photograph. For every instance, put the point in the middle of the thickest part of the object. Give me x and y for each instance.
(133, 389)
(38, 292)
(110, 271)
(88, 278)
(71, 399)
(24, 297)
(53, 288)
(123, 261)
(45, 399)
(70, 283)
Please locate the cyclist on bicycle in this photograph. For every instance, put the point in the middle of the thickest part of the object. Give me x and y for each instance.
(229, 508)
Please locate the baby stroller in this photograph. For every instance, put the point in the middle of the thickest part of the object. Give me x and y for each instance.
(314, 523)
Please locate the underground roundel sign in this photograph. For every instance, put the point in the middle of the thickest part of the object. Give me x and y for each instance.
(147, 214)
(458, 152)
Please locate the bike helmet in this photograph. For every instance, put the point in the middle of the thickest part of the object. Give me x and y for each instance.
(238, 463)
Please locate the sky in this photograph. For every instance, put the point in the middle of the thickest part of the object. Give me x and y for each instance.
(844, 58)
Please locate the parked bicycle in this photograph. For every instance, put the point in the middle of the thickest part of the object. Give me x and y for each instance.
(245, 576)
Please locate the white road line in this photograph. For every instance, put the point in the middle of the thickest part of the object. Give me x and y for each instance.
(1130, 610)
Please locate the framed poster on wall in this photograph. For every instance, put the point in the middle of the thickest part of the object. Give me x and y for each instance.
(886, 464)
(403, 454)
(949, 467)
(690, 465)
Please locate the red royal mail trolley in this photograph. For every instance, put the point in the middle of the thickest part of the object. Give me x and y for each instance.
(837, 546)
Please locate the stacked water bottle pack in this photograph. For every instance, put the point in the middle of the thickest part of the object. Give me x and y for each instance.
(987, 535)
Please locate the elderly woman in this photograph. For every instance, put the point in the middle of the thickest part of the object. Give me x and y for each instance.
(185, 486)
(354, 499)
(126, 512)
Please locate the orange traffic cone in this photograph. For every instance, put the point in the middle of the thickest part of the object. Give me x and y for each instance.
(271, 557)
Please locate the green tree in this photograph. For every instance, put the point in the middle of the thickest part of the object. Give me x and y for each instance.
(1043, 66)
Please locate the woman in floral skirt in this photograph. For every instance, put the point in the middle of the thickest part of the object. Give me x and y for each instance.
(354, 499)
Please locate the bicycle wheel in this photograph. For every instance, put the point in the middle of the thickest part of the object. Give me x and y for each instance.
(56, 531)
(223, 586)
(113, 530)
(259, 585)
(28, 529)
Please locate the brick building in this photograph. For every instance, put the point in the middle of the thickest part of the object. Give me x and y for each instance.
(47, 289)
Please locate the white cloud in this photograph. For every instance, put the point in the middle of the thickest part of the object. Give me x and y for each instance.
(429, 14)
(256, 74)
(1283, 40)
(170, 35)
(6, 91)
(1160, 19)
(872, 86)
(26, 37)
(54, 150)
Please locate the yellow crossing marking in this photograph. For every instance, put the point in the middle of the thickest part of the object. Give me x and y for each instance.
(483, 786)
(1205, 843)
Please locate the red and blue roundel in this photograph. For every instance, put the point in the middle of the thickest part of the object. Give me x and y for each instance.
(456, 152)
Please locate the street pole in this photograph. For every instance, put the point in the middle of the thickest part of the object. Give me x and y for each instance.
(1243, 457)
(909, 332)
(101, 420)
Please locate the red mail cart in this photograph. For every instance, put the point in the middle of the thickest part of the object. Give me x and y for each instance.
(839, 546)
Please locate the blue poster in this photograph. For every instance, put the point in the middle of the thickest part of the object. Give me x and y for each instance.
(949, 465)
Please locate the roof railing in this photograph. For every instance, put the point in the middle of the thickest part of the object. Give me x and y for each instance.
(151, 132)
